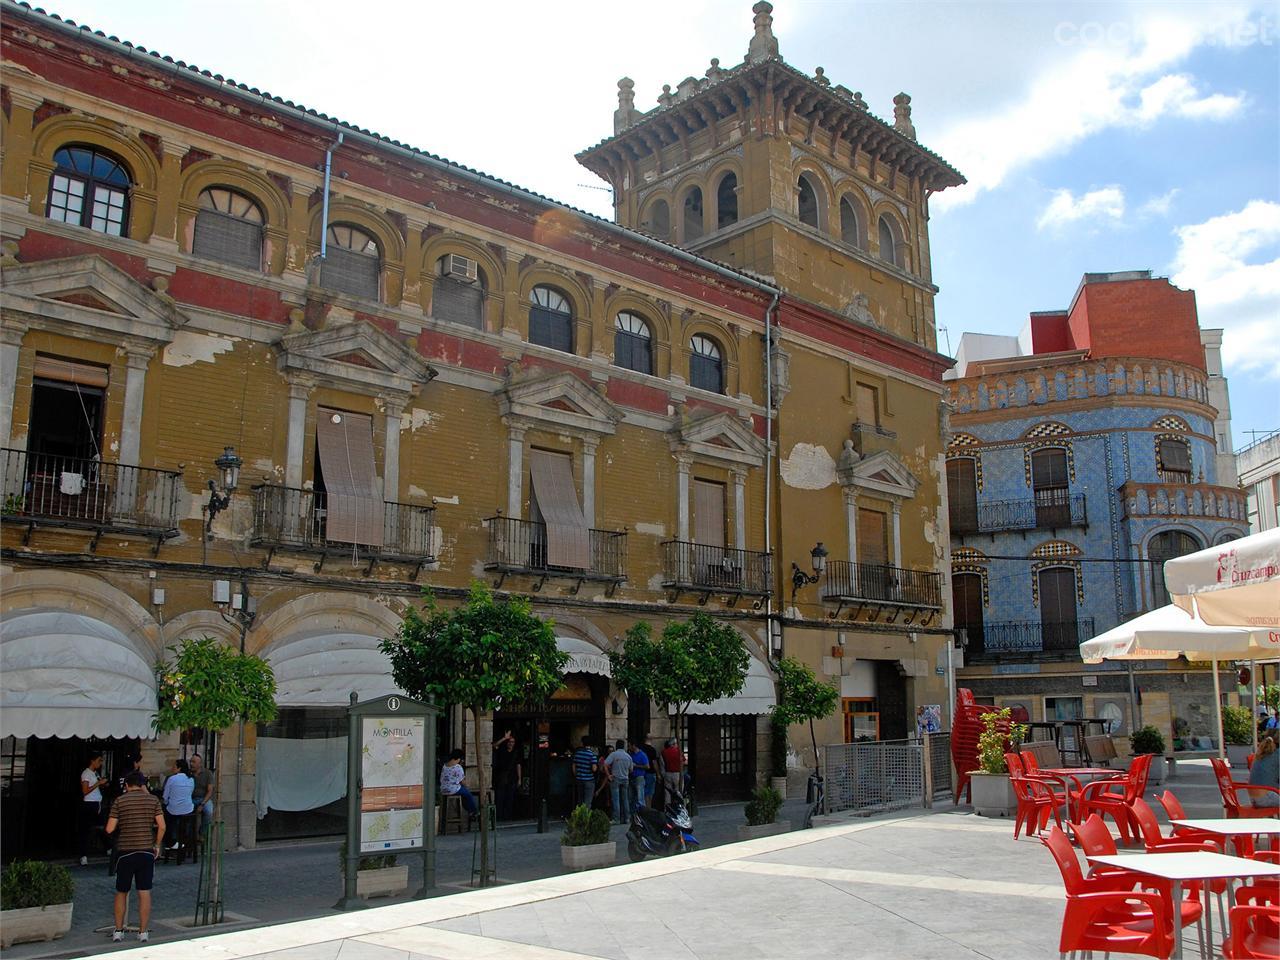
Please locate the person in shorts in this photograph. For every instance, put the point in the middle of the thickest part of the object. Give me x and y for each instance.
(137, 820)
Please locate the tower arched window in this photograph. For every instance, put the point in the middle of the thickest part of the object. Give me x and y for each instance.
(890, 241)
(727, 201)
(852, 230)
(550, 319)
(810, 212)
(352, 262)
(706, 365)
(632, 343)
(228, 228)
(1166, 546)
(693, 222)
(657, 220)
(89, 188)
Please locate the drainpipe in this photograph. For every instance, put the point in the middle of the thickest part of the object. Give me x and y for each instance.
(324, 211)
(769, 316)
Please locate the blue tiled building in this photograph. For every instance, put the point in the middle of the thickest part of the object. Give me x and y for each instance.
(1082, 455)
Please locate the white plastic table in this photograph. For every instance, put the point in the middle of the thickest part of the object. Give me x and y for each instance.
(1232, 827)
(1181, 867)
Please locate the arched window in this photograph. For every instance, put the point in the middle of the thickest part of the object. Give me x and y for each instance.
(228, 228)
(808, 199)
(890, 241)
(1162, 547)
(90, 189)
(852, 231)
(352, 262)
(458, 294)
(1174, 461)
(550, 319)
(657, 220)
(693, 225)
(706, 368)
(727, 201)
(632, 343)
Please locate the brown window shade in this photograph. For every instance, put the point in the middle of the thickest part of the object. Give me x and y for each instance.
(458, 302)
(568, 539)
(708, 513)
(234, 240)
(1048, 469)
(873, 537)
(344, 442)
(1057, 595)
(962, 494)
(69, 371)
(1175, 455)
(868, 405)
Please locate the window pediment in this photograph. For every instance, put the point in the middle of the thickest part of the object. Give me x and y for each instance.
(881, 473)
(560, 402)
(722, 438)
(355, 355)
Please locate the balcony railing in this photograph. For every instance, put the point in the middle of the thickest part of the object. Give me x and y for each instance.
(1019, 638)
(292, 519)
(712, 569)
(881, 584)
(48, 490)
(1049, 508)
(520, 546)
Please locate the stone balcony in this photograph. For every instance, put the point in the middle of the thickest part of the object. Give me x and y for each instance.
(1191, 500)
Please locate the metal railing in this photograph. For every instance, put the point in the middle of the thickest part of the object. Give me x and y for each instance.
(1048, 508)
(701, 566)
(1058, 639)
(298, 520)
(81, 492)
(879, 775)
(1174, 476)
(520, 546)
(882, 584)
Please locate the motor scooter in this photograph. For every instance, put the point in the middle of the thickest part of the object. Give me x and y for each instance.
(661, 833)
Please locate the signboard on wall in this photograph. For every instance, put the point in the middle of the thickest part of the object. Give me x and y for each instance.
(928, 718)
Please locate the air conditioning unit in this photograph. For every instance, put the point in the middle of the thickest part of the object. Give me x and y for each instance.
(460, 268)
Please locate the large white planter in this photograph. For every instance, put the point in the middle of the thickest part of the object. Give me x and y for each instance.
(749, 832)
(383, 882)
(992, 794)
(32, 924)
(1157, 769)
(589, 856)
(779, 784)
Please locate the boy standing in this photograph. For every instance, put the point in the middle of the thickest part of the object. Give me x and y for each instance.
(137, 816)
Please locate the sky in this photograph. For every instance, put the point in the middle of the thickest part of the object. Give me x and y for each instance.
(1096, 136)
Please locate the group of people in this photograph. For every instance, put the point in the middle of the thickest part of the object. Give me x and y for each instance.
(631, 772)
(137, 822)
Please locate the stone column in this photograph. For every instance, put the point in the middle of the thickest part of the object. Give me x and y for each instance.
(167, 190)
(739, 508)
(851, 521)
(515, 470)
(11, 335)
(299, 395)
(682, 496)
(511, 324)
(136, 358)
(18, 143)
(589, 481)
(412, 299)
(299, 226)
(391, 452)
(897, 534)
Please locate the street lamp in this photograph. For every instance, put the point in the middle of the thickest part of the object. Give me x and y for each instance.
(818, 560)
(229, 472)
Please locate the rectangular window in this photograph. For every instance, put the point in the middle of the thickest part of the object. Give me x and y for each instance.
(868, 405)
(554, 503)
(353, 508)
(1057, 589)
(708, 513)
(1049, 486)
(66, 199)
(733, 744)
(962, 495)
(861, 719)
(873, 537)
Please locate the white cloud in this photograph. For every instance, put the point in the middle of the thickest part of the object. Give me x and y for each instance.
(1159, 206)
(1093, 87)
(1105, 203)
(1232, 262)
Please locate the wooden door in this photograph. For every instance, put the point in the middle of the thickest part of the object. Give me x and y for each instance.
(966, 598)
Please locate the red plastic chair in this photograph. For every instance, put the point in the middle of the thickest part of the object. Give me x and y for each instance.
(1113, 921)
(1254, 934)
(1036, 803)
(1113, 797)
(1230, 790)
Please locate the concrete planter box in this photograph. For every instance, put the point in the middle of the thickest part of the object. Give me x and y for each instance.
(779, 784)
(1238, 754)
(32, 924)
(748, 832)
(589, 856)
(992, 794)
(383, 882)
(1157, 773)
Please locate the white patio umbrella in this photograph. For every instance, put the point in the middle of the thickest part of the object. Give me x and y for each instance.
(1170, 632)
(1236, 584)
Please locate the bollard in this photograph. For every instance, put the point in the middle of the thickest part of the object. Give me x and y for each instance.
(542, 815)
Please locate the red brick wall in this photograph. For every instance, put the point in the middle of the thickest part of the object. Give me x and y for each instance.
(1050, 333)
(1146, 318)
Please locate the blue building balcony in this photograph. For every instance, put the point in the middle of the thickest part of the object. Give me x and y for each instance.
(1023, 640)
(1049, 509)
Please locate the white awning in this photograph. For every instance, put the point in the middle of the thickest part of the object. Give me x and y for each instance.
(584, 657)
(756, 696)
(65, 674)
(321, 669)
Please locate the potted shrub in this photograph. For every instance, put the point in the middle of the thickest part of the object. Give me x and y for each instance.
(585, 843)
(1237, 731)
(762, 815)
(778, 756)
(990, 789)
(377, 875)
(35, 902)
(1149, 740)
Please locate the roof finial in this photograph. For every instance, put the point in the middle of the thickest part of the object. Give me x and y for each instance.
(666, 97)
(764, 44)
(625, 115)
(715, 72)
(820, 76)
(902, 116)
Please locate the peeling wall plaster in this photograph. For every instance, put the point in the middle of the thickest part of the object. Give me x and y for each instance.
(415, 419)
(652, 529)
(189, 347)
(809, 467)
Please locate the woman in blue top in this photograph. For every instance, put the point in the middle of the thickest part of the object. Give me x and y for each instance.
(1265, 772)
(178, 807)
(640, 774)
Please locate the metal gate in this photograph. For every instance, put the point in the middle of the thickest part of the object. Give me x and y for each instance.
(880, 775)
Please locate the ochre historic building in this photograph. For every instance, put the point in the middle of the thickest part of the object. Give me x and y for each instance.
(265, 375)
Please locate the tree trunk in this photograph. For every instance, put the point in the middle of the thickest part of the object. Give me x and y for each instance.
(481, 784)
(817, 766)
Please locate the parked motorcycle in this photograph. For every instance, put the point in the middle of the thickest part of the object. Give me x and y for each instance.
(661, 833)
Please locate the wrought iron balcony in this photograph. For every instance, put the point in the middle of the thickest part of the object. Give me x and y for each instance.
(873, 583)
(708, 569)
(47, 490)
(1049, 508)
(286, 518)
(1020, 639)
(520, 546)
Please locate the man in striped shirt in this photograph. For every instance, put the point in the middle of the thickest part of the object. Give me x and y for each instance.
(139, 818)
(585, 760)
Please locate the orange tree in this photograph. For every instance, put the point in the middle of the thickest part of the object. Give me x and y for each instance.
(487, 653)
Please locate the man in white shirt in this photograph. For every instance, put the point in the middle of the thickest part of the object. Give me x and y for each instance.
(91, 783)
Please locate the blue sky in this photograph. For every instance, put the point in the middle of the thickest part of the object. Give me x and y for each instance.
(1095, 135)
